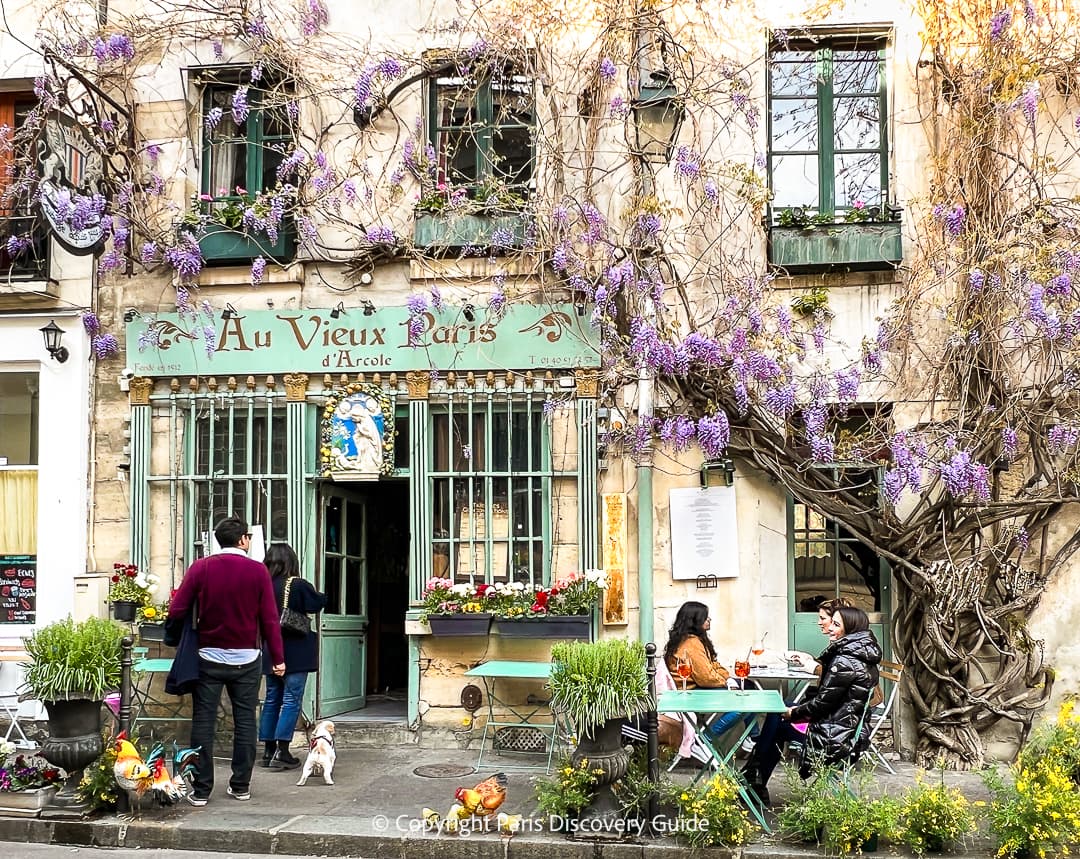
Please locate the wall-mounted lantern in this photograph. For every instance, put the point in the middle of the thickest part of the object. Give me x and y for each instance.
(52, 334)
(658, 115)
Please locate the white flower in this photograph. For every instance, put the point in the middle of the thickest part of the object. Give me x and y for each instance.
(596, 577)
(462, 590)
(140, 580)
(6, 748)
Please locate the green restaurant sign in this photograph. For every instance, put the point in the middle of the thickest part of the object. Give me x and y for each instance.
(522, 336)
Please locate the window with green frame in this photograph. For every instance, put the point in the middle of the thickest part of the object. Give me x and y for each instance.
(492, 484)
(241, 158)
(828, 141)
(481, 125)
(240, 469)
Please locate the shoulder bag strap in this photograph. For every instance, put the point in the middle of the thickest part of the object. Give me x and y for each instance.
(288, 589)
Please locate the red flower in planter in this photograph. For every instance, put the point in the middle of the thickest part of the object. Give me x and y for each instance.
(541, 601)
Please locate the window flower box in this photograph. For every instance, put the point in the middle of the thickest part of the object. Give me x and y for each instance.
(455, 230)
(577, 626)
(861, 245)
(466, 624)
(220, 244)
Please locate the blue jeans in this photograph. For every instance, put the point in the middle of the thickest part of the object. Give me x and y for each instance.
(242, 684)
(725, 721)
(281, 709)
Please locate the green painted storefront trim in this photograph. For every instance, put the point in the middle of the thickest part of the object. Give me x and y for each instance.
(541, 337)
(139, 547)
(587, 474)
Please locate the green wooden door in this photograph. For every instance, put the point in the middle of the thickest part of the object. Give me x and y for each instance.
(343, 566)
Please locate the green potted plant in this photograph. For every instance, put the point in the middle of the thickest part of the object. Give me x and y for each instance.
(71, 668)
(456, 609)
(935, 815)
(596, 686)
(129, 591)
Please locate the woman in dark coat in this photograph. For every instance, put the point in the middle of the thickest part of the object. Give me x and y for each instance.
(285, 695)
(835, 734)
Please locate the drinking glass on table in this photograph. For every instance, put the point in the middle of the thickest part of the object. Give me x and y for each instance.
(742, 669)
(684, 669)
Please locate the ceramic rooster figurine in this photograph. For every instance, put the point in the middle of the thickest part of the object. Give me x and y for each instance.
(482, 800)
(139, 777)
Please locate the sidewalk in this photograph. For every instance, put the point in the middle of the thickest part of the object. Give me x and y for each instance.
(373, 810)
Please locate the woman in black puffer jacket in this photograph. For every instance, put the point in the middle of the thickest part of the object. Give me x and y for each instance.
(849, 675)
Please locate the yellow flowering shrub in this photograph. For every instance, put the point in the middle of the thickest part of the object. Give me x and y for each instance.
(1038, 813)
(934, 815)
(713, 815)
(569, 790)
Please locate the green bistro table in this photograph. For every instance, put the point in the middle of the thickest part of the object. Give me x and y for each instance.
(142, 680)
(759, 702)
(536, 715)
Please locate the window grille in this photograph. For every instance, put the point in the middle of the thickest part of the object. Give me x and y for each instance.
(492, 488)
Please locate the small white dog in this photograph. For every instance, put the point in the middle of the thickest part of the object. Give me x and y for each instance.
(321, 754)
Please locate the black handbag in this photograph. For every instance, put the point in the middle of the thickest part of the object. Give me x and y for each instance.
(292, 621)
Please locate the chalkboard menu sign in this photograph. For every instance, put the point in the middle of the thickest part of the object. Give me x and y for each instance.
(18, 588)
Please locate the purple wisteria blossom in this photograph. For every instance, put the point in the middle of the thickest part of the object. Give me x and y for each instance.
(380, 235)
(762, 367)
(502, 238)
(105, 345)
(619, 109)
(679, 432)
(818, 335)
(1060, 286)
(952, 217)
(258, 270)
(713, 434)
(1000, 23)
(209, 336)
(702, 350)
(240, 106)
(218, 49)
(781, 400)
(823, 448)
(417, 305)
(1029, 102)
(16, 244)
(149, 254)
(963, 475)
(91, 324)
(257, 29)
(608, 70)
(315, 17)
(742, 397)
(497, 302)
(847, 384)
(1009, 443)
(687, 164)
(1061, 437)
(185, 257)
(213, 118)
(976, 279)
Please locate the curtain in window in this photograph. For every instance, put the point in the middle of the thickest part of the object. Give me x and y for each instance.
(18, 512)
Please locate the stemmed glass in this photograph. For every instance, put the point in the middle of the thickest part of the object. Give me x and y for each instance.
(684, 669)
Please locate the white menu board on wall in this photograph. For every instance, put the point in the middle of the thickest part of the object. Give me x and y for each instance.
(704, 536)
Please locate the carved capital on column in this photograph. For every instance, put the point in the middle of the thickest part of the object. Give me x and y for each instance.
(296, 387)
(588, 382)
(139, 391)
(418, 383)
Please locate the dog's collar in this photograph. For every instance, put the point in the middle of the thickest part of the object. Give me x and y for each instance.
(318, 737)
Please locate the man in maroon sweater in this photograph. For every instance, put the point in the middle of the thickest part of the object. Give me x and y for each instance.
(236, 612)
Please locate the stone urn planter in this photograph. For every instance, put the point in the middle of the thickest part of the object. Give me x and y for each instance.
(608, 758)
(74, 742)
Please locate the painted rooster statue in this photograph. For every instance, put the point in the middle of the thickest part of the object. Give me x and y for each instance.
(138, 777)
(483, 800)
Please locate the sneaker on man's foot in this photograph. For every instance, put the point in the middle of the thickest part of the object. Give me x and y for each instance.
(241, 795)
(749, 744)
(197, 801)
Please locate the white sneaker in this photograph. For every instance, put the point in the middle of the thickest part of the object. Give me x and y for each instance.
(748, 745)
(243, 796)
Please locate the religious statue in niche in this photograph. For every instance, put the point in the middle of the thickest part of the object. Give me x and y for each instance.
(357, 434)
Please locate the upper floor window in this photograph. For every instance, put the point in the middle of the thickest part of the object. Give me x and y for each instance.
(828, 142)
(24, 239)
(247, 135)
(481, 127)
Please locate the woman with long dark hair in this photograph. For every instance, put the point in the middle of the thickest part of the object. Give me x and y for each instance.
(285, 695)
(835, 713)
